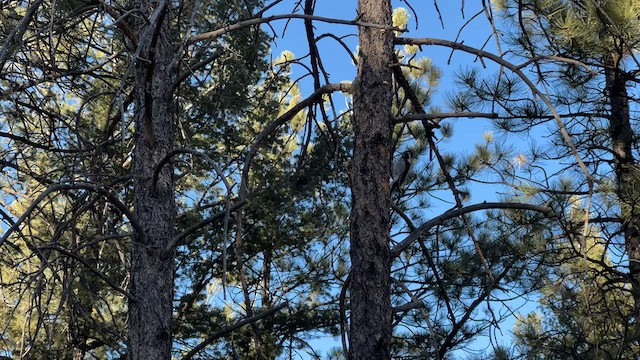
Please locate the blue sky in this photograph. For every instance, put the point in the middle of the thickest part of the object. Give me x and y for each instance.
(476, 31)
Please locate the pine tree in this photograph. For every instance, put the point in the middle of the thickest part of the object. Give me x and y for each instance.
(580, 52)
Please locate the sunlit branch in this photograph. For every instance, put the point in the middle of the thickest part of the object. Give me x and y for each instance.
(257, 21)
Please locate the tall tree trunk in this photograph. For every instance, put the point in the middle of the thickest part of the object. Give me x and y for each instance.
(370, 328)
(155, 209)
(622, 139)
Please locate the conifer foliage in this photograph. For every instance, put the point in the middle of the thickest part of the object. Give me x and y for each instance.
(173, 188)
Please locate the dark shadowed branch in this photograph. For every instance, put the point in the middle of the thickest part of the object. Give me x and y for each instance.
(439, 220)
(218, 334)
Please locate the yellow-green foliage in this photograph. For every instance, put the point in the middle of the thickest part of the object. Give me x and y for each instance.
(400, 18)
(596, 26)
(577, 298)
(38, 282)
(285, 59)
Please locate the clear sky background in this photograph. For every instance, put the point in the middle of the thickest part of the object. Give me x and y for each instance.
(469, 26)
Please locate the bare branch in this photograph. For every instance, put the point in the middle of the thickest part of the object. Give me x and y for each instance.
(112, 198)
(231, 328)
(199, 225)
(257, 21)
(516, 70)
(439, 220)
(99, 274)
(472, 114)
(15, 37)
(440, 116)
(424, 313)
(253, 149)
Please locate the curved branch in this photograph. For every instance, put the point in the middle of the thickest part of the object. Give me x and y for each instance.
(199, 225)
(341, 42)
(206, 157)
(231, 328)
(15, 37)
(227, 212)
(258, 21)
(91, 269)
(282, 119)
(141, 237)
(516, 70)
(118, 20)
(269, 129)
(244, 178)
(439, 220)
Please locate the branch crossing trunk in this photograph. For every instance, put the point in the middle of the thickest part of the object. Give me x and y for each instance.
(622, 138)
(370, 327)
(152, 267)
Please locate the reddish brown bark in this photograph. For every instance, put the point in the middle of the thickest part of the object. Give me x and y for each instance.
(370, 327)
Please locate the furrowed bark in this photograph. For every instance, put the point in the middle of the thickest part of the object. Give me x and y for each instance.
(152, 271)
(622, 136)
(370, 327)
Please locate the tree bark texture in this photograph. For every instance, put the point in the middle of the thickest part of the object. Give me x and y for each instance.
(152, 273)
(622, 138)
(370, 305)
